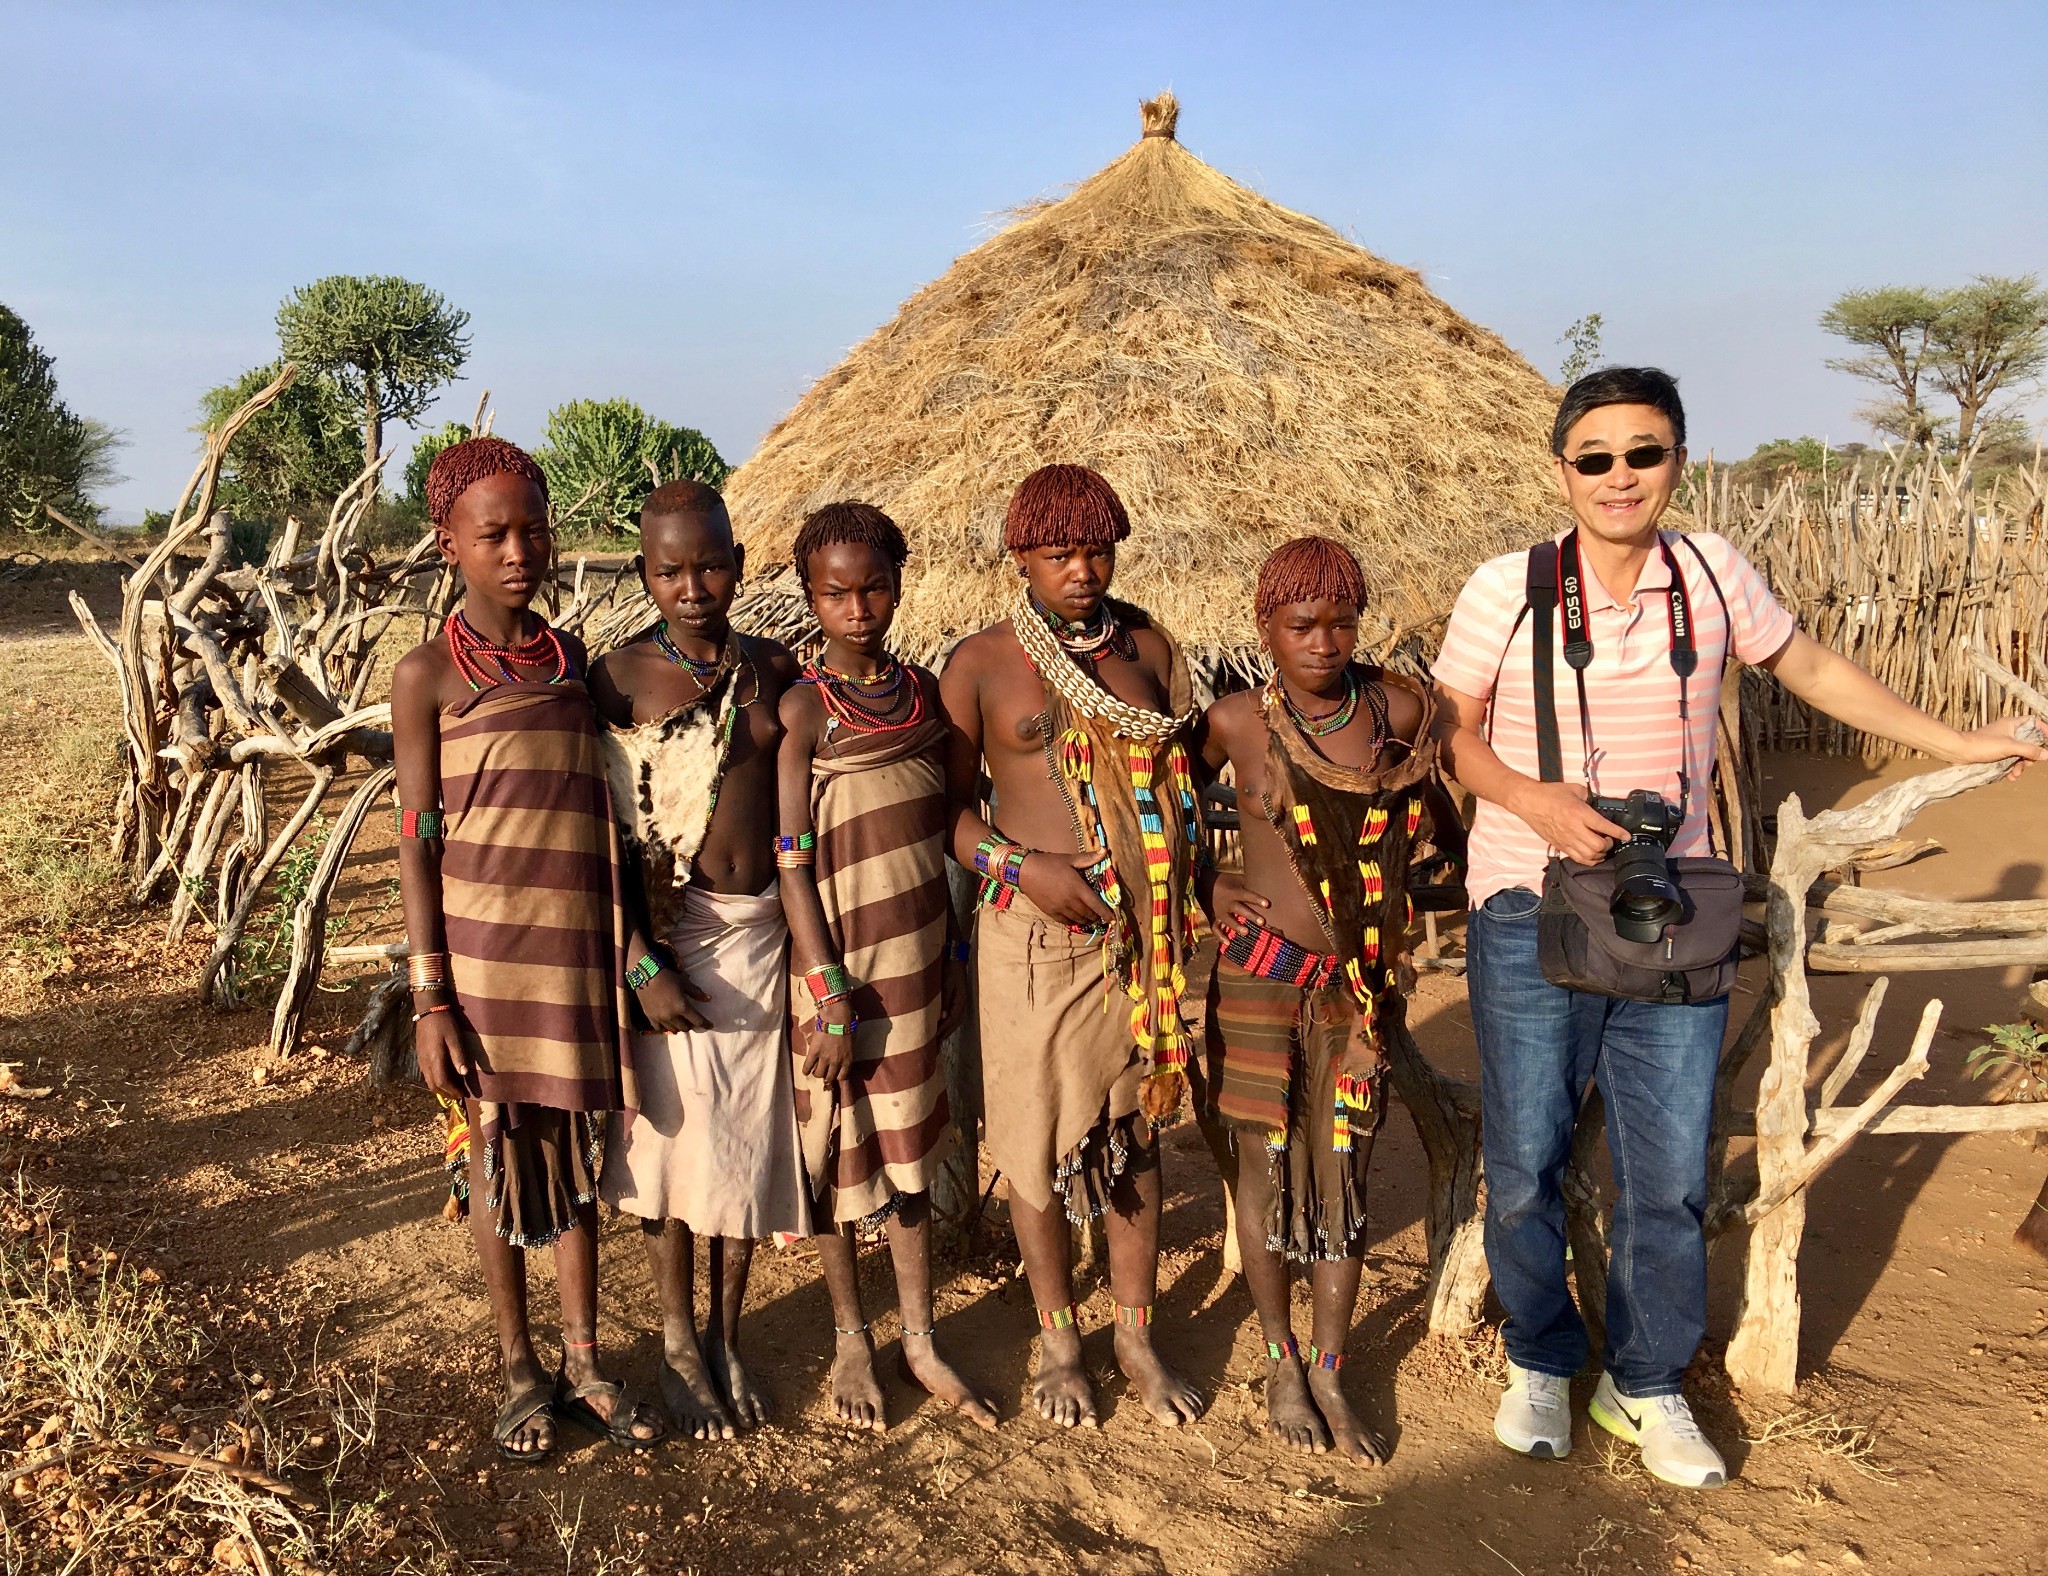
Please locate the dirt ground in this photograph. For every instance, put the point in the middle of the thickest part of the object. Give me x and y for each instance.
(299, 1210)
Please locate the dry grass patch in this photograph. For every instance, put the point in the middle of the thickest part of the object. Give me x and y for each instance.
(127, 1445)
(60, 732)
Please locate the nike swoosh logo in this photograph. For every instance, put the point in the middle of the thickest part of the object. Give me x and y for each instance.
(1635, 1419)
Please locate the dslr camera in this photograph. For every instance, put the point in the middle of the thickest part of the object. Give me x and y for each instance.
(1646, 895)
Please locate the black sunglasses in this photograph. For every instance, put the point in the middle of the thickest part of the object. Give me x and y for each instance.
(1646, 458)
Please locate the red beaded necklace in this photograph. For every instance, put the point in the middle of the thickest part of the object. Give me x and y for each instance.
(470, 651)
(851, 703)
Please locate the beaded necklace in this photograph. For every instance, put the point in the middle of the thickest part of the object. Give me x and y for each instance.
(1101, 634)
(470, 651)
(1330, 722)
(870, 705)
(701, 671)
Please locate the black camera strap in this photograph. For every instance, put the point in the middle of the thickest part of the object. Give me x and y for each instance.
(1556, 582)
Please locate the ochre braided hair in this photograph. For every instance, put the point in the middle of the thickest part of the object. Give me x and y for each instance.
(461, 466)
(1308, 569)
(1064, 506)
(849, 525)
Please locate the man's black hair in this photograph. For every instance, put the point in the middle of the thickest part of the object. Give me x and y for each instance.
(1619, 386)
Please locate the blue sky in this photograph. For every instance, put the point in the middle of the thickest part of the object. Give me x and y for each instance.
(703, 207)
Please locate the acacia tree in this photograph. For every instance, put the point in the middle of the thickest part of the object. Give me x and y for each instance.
(49, 455)
(296, 455)
(387, 342)
(1990, 336)
(603, 457)
(1584, 339)
(1891, 324)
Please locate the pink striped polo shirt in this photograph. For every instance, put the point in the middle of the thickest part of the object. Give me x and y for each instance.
(1630, 689)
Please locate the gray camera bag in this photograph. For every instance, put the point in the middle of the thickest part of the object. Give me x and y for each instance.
(1576, 942)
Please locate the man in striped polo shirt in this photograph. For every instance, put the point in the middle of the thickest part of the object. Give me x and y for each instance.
(1619, 448)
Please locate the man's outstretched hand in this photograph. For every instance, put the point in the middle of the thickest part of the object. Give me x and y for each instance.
(1996, 741)
(1560, 815)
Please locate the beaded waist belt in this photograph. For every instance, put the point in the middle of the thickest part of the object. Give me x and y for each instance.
(1271, 956)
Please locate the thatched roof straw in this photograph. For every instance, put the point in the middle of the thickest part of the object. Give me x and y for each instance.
(1240, 372)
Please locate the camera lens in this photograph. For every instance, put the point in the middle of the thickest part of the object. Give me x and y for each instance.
(1645, 899)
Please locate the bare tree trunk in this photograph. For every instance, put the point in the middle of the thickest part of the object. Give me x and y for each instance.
(1446, 1116)
(309, 924)
(956, 1190)
(1585, 1217)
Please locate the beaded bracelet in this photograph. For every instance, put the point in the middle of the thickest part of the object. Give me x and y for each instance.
(439, 1006)
(838, 1030)
(828, 982)
(956, 950)
(1000, 860)
(641, 973)
(426, 970)
(422, 824)
(794, 853)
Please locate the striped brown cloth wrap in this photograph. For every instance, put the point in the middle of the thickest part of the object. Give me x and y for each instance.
(531, 898)
(1276, 1072)
(878, 807)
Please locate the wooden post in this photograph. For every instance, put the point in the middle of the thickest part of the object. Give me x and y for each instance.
(1446, 1116)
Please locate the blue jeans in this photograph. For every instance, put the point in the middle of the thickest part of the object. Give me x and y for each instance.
(1539, 1047)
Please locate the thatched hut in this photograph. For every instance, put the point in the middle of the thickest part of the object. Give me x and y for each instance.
(1242, 374)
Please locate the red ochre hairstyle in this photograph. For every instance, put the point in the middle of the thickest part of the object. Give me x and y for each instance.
(848, 524)
(1308, 569)
(1064, 506)
(461, 466)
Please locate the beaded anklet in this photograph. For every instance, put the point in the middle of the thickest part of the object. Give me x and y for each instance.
(1280, 1351)
(1318, 1358)
(859, 1330)
(1058, 1318)
(918, 1335)
(1131, 1318)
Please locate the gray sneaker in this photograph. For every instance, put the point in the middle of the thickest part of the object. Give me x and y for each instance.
(1535, 1416)
(1673, 1447)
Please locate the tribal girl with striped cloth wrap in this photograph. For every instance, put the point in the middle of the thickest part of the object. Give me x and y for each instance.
(508, 862)
(1331, 758)
(1080, 708)
(878, 973)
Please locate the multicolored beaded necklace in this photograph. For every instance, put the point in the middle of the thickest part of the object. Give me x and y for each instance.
(470, 651)
(1100, 635)
(702, 671)
(878, 704)
(1330, 721)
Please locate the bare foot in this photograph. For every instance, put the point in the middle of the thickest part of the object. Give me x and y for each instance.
(691, 1398)
(2033, 1231)
(1167, 1396)
(1348, 1436)
(1061, 1392)
(746, 1401)
(1291, 1417)
(856, 1393)
(922, 1361)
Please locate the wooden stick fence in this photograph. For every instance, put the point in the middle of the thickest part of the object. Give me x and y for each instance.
(1904, 570)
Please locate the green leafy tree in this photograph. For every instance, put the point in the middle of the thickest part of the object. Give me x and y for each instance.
(1989, 337)
(424, 453)
(603, 457)
(49, 455)
(1891, 327)
(387, 343)
(1584, 339)
(296, 455)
